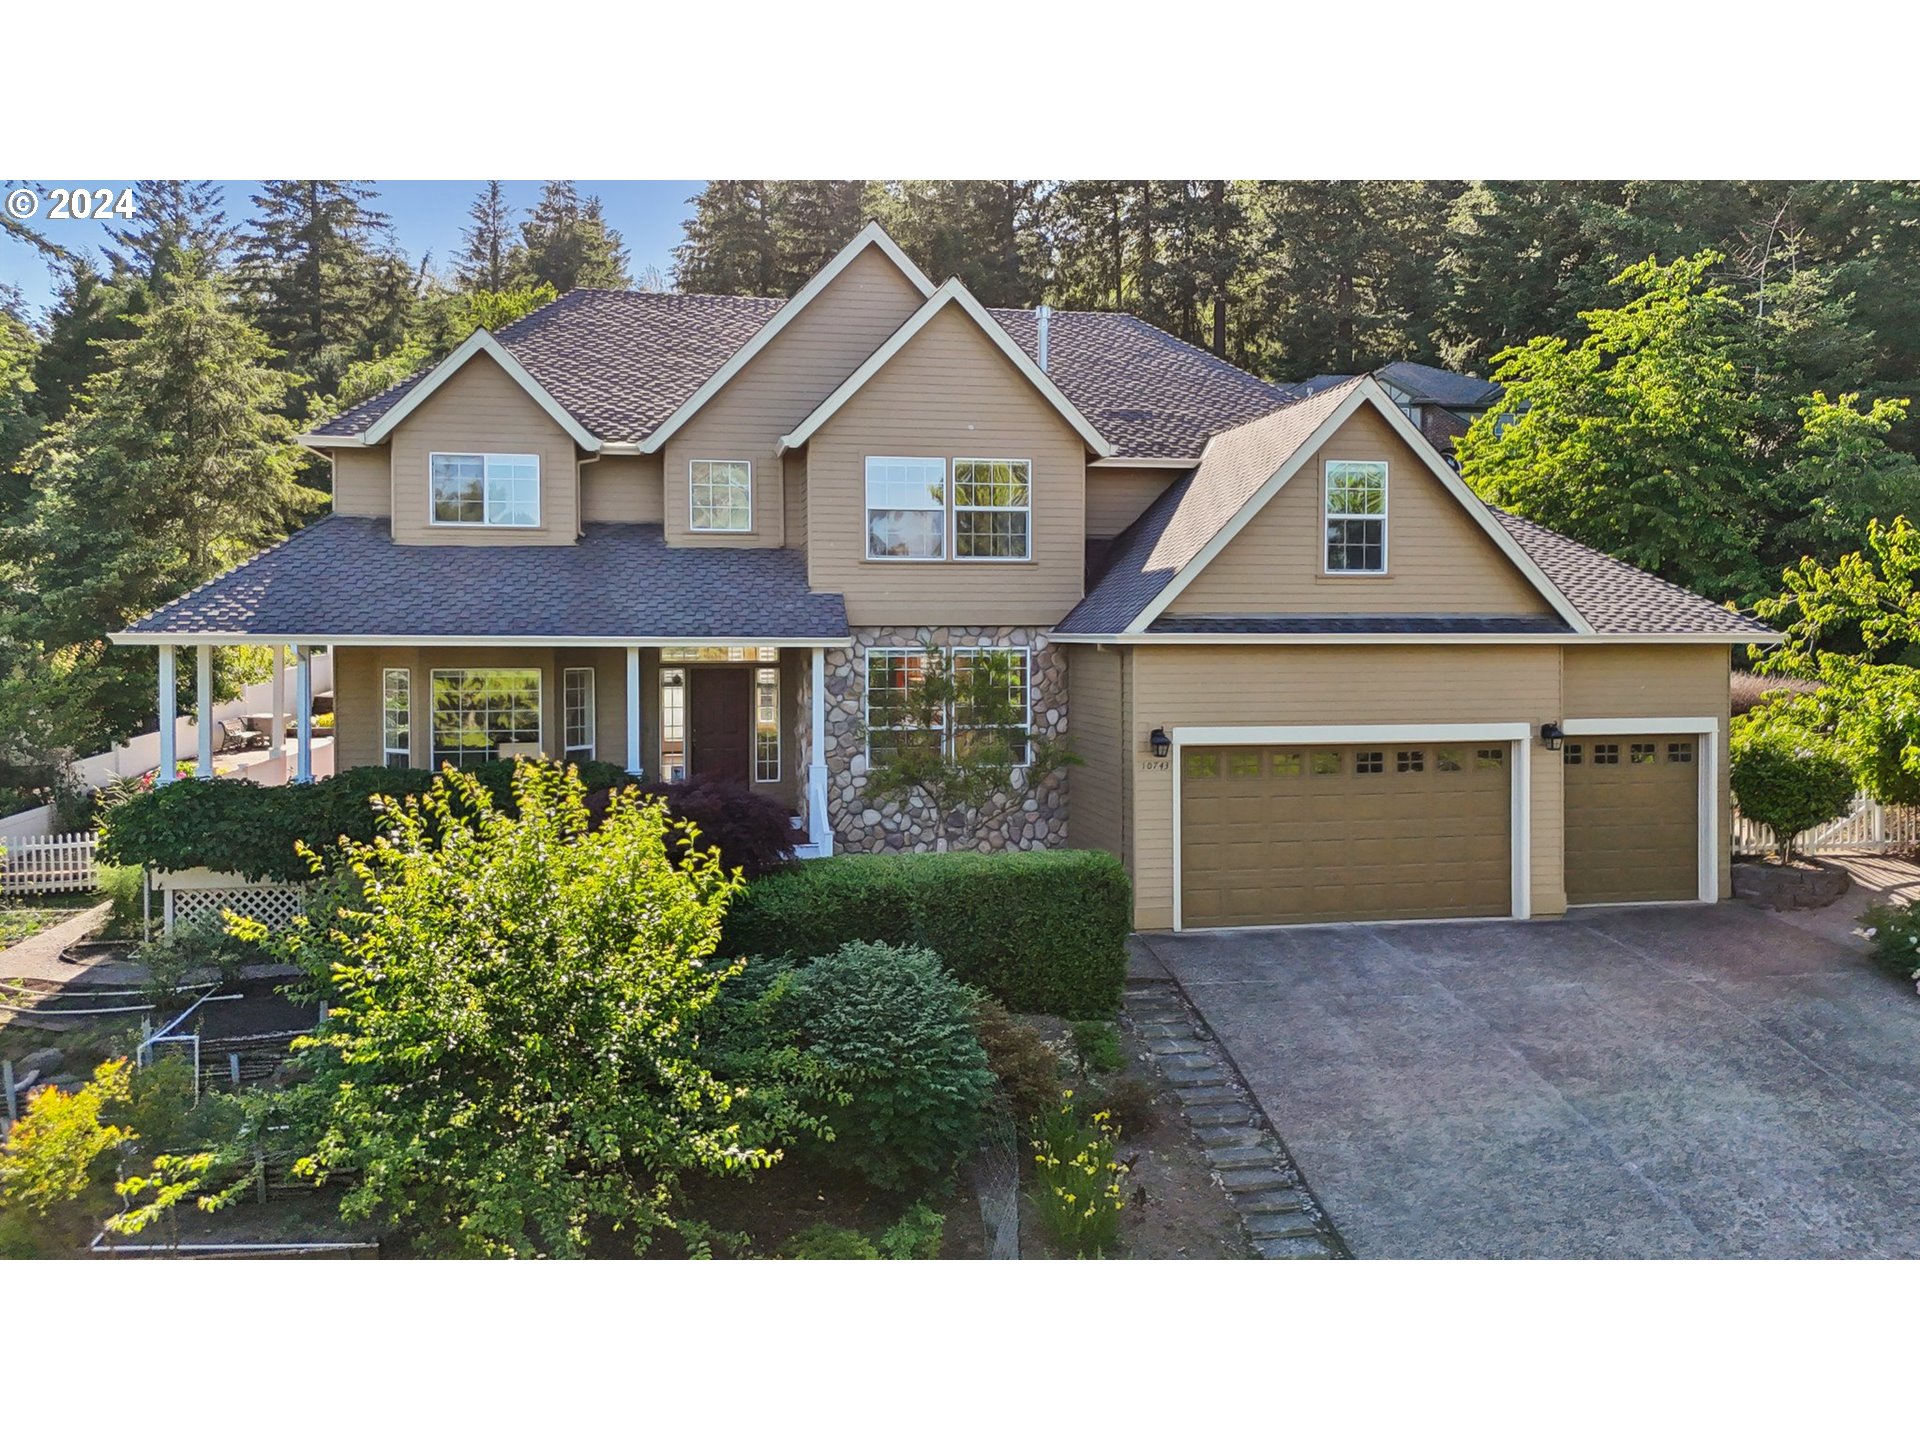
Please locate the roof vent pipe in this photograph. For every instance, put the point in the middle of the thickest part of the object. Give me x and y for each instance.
(1041, 317)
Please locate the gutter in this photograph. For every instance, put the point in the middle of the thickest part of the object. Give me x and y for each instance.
(234, 637)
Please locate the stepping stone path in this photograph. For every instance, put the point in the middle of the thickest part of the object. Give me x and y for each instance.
(1249, 1162)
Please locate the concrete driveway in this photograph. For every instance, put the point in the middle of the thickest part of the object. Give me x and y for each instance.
(1684, 1082)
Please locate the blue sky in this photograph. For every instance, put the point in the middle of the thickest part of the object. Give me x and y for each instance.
(427, 215)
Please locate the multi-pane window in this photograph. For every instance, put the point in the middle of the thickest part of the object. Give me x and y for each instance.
(731, 654)
(892, 675)
(1489, 759)
(1447, 762)
(477, 711)
(1326, 762)
(1573, 755)
(1607, 754)
(486, 489)
(906, 508)
(766, 724)
(1002, 675)
(1680, 752)
(992, 509)
(576, 693)
(1409, 762)
(1369, 762)
(396, 717)
(1645, 754)
(673, 724)
(1201, 765)
(1356, 517)
(720, 495)
(1243, 764)
(1286, 762)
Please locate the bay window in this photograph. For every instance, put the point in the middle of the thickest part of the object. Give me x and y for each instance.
(486, 490)
(477, 711)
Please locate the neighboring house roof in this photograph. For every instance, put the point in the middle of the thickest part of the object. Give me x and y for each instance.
(624, 362)
(1432, 385)
(1427, 384)
(1175, 537)
(953, 293)
(343, 578)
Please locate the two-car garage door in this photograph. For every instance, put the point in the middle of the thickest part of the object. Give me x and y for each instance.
(1304, 834)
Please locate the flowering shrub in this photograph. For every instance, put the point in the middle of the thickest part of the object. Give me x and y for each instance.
(1894, 933)
(1079, 1192)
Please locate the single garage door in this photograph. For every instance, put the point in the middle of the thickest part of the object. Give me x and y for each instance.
(1633, 818)
(1279, 835)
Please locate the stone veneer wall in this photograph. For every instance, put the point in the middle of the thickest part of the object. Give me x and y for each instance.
(1038, 822)
(803, 732)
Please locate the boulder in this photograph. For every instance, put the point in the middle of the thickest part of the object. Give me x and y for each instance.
(46, 1061)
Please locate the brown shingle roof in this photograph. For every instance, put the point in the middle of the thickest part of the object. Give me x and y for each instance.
(622, 361)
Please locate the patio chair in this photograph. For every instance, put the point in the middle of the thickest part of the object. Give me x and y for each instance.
(238, 735)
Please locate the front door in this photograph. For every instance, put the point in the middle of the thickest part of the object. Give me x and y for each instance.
(720, 722)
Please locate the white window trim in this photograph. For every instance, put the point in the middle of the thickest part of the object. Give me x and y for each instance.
(1026, 651)
(1518, 734)
(946, 510)
(539, 690)
(866, 689)
(948, 724)
(954, 508)
(387, 752)
(779, 730)
(539, 490)
(590, 745)
(694, 529)
(1327, 517)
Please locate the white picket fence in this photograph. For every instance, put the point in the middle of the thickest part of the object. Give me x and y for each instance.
(43, 864)
(1867, 826)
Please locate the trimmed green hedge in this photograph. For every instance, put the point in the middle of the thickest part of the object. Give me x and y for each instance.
(235, 825)
(1041, 930)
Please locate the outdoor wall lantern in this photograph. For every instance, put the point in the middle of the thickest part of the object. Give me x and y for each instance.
(1161, 742)
(1551, 735)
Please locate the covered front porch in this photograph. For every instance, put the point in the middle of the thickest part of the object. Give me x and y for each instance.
(724, 710)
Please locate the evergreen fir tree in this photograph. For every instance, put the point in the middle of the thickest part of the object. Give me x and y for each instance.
(811, 222)
(89, 310)
(729, 247)
(177, 463)
(172, 218)
(490, 252)
(569, 244)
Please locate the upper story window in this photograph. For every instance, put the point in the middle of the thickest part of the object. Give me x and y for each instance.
(1356, 517)
(486, 490)
(720, 495)
(992, 509)
(906, 507)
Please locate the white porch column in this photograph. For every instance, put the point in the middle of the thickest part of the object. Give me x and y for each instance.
(303, 714)
(819, 832)
(203, 692)
(633, 710)
(169, 720)
(277, 737)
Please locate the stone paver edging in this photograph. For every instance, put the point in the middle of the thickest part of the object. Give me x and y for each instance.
(1249, 1160)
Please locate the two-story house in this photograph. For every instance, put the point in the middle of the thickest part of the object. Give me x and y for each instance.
(1310, 674)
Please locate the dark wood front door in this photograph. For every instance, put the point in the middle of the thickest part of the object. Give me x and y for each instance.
(720, 720)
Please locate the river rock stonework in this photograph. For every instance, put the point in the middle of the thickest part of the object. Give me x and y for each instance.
(1037, 821)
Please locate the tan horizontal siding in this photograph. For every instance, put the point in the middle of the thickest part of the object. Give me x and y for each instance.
(1097, 734)
(780, 387)
(1334, 685)
(1115, 498)
(1607, 682)
(793, 481)
(362, 481)
(1439, 561)
(949, 393)
(479, 410)
(622, 488)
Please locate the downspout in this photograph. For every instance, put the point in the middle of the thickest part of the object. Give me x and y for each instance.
(580, 463)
